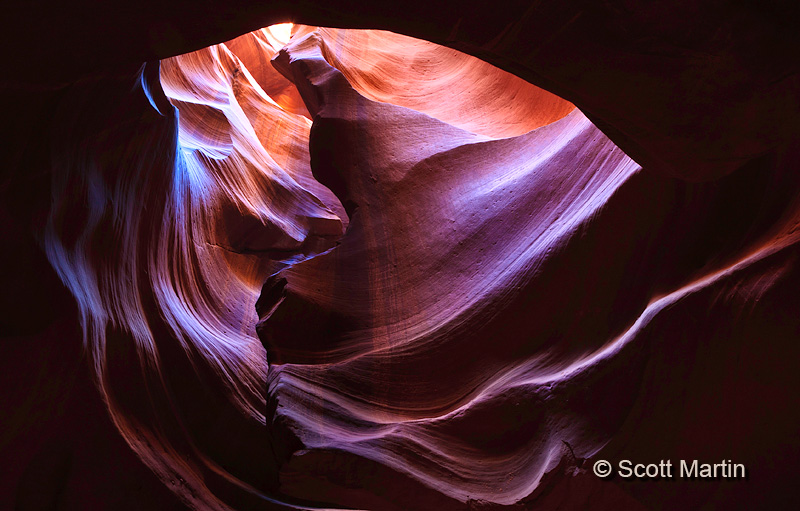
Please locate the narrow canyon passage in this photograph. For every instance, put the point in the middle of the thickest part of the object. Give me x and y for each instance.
(323, 267)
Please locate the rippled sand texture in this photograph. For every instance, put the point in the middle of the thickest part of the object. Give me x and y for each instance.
(357, 269)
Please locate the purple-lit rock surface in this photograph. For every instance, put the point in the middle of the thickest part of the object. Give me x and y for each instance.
(354, 269)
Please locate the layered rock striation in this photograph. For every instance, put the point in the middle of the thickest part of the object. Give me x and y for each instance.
(315, 267)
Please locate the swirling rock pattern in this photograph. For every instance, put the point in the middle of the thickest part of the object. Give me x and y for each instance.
(444, 342)
(485, 296)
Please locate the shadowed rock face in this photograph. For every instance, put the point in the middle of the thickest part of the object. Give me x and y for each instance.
(359, 270)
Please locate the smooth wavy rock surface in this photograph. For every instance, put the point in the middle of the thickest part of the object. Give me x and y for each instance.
(440, 337)
(326, 268)
(422, 286)
(446, 84)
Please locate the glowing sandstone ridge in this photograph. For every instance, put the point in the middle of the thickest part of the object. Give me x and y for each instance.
(388, 275)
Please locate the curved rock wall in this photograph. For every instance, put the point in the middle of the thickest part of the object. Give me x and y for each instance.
(465, 292)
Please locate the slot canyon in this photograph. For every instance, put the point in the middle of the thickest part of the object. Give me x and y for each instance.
(426, 256)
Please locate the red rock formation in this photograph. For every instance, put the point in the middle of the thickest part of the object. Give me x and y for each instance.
(504, 307)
